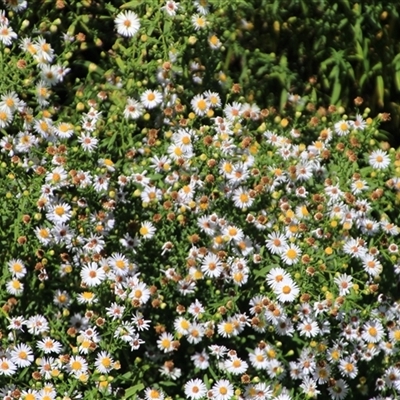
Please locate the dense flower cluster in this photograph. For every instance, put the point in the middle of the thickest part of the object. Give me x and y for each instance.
(225, 253)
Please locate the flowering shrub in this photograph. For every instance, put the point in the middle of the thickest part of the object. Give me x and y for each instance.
(164, 236)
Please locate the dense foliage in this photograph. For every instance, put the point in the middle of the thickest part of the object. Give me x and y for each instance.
(164, 234)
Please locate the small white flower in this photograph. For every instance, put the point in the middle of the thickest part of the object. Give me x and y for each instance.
(92, 275)
(127, 23)
(133, 109)
(195, 389)
(151, 98)
(345, 283)
(379, 159)
(22, 355)
(7, 35)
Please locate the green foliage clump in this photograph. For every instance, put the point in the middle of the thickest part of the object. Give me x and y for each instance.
(165, 235)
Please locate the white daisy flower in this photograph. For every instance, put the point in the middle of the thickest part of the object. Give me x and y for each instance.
(287, 291)
(227, 328)
(200, 360)
(222, 390)
(7, 367)
(147, 230)
(59, 213)
(22, 355)
(104, 362)
(339, 390)
(5, 117)
(87, 298)
(127, 23)
(276, 242)
(195, 389)
(17, 268)
(342, 128)
(92, 275)
(236, 366)
(345, 283)
(379, 159)
(14, 287)
(133, 109)
(7, 35)
(119, 263)
(171, 7)
(88, 143)
(373, 332)
(164, 343)
(308, 328)
(140, 293)
(182, 325)
(151, 98)
(10, 102)
(241, 198)
(348, 368)
(200, 105)
(211, 265)
(199, 21)
(77, 364)
(359, 123)
(153, 394)
(276, 276)
(291, 254)
(258, 358)
(49, 345)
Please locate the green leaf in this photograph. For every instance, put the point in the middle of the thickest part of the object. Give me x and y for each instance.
(284, 95)
(397, 80)
(133, 390)
(377, 67)
(314, 96)
(336, 92)
(167, 25)
(360, 53)
(167, 383)
(111, 8)
(334, 74)
(120, 64)
(283, 61)
(131, 4)
(380, 90)
(362, 80)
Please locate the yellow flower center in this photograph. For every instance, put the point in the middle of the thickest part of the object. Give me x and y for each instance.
(291, 253)
(228, 327)
(76, 365)
(372, 331)
(286, 289)
(106, 362)
(151, 96)
(59, 210)
(201, 104)
(244, 198)
(143, 230)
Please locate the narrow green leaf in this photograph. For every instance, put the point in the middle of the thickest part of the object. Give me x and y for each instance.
(284, 95)
(120, 64)
(397, 80)
(133, 390)
(336, 92)
(380, 90)
(131, 4)
(359, 49)
(167, 25)
(334, 74)
(362, 81)
(377, 67)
